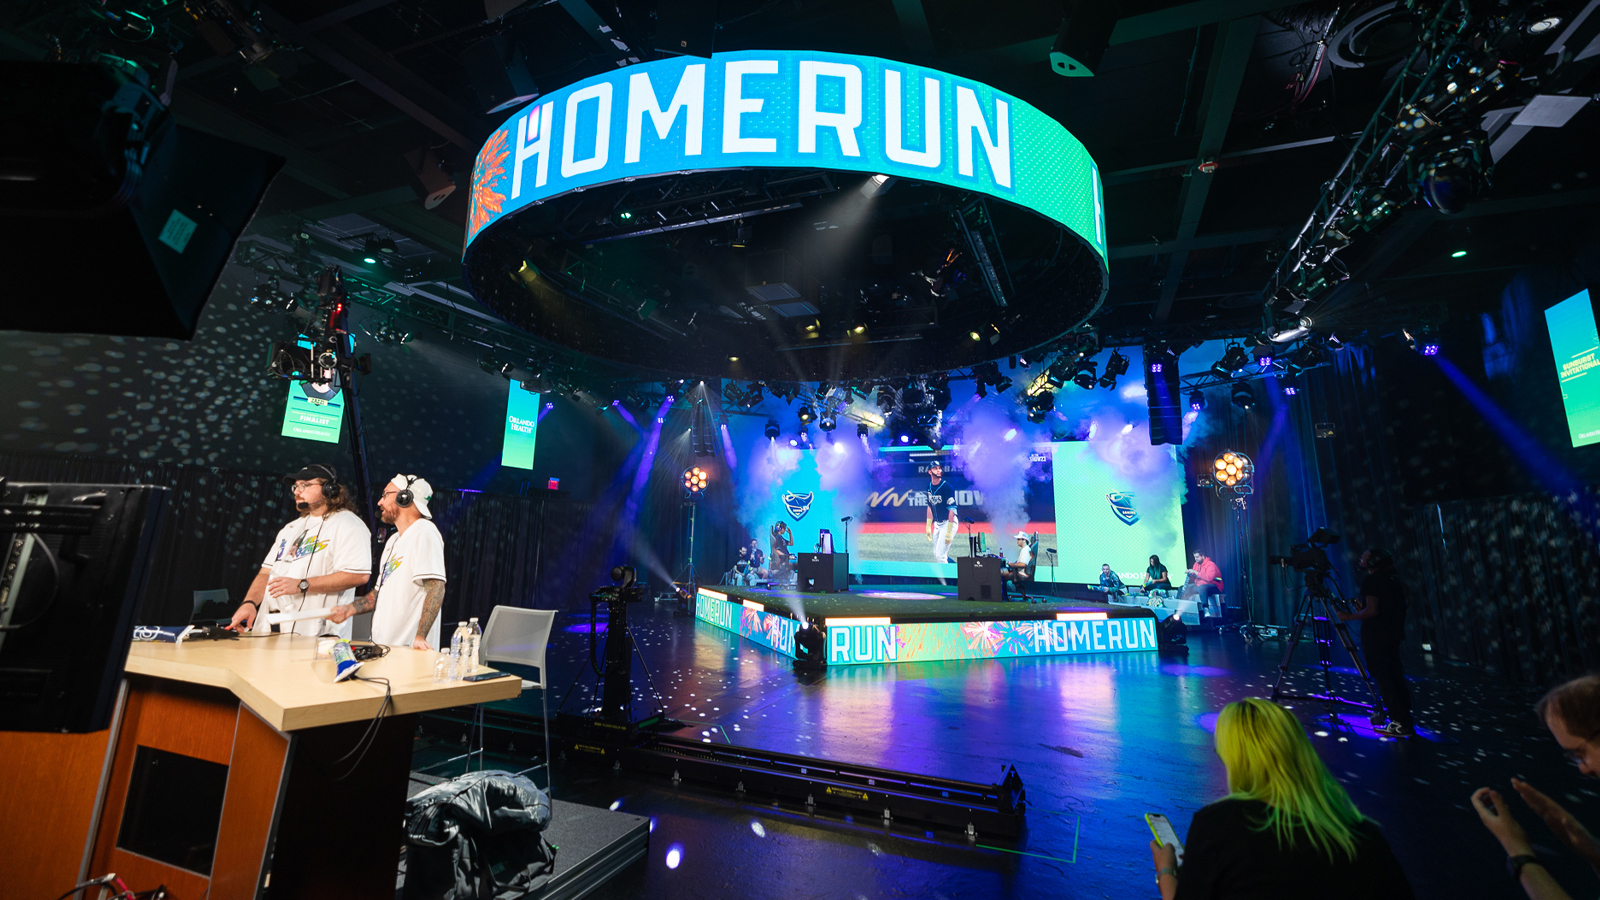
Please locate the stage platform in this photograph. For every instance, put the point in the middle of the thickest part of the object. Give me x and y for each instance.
(914, 623)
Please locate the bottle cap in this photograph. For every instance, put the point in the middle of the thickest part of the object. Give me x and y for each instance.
(473, 619)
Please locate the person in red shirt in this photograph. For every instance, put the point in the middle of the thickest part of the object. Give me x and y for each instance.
(1207, 578)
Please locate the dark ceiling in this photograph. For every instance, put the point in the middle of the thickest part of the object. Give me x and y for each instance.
(348, 89)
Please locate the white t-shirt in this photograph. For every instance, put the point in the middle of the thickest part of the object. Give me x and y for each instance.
(409, 558)
(1024, 555)
(312, 546)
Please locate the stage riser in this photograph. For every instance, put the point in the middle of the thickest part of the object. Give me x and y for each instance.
(1124, 630)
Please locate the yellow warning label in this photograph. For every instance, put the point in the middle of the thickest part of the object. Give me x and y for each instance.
(588, 749)
(846, 792)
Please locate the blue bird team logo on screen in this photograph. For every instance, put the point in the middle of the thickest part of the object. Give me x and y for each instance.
(1122, 504)
(797, 504)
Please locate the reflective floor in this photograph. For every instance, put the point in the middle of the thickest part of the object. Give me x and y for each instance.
(1099, 740)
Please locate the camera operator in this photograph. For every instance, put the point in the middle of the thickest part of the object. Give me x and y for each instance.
(1382, 615)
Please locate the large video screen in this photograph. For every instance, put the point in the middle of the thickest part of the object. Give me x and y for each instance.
(522, 427)
(1576, 345)
(1088, 503)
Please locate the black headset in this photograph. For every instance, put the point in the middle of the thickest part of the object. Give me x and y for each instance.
(403, 497)
(330, 481)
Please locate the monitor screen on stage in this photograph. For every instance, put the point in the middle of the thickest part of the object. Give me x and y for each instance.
(522, 427)
(1576, 346)
(1086, 503)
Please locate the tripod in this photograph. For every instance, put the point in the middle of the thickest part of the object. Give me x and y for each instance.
(1323, 628)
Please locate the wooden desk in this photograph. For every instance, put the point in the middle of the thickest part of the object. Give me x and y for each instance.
(295, 821)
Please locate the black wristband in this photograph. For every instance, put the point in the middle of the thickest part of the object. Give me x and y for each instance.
(1514, 864)
(252, 603)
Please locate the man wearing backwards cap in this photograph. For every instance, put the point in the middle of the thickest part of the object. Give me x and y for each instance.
(405, 604)
(317, 560)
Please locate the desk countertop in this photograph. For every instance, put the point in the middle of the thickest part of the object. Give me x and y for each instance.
(277, 677)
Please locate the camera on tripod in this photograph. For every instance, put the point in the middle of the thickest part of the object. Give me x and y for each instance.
(625, 587)
(1310, 557)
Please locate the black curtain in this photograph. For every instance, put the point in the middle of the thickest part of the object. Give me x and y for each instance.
(1504, 583)
(518, 551)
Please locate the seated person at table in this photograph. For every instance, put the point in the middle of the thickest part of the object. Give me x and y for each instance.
(1286, 827)
(758, 560)
(1206, 577)
(1110, 580)
(1017, 572)
(1155, 577)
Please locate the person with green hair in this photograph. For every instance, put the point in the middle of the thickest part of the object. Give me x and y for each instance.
(1286, 827)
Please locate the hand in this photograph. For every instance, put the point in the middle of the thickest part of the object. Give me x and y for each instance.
(1346, 617)
(339, 613)
(1496, 817)
(420, 643)
(244, 618)
(929, 532)
(1561, 822)
(279, 586)
(1163, 855)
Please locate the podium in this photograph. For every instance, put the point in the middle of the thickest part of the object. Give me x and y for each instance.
(228, 772)
(824, 573)
(978, 578)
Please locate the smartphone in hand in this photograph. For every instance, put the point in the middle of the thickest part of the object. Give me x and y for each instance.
(1162, 828)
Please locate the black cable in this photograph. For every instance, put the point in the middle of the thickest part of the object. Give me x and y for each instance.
(55, 588)
(369, 737)
(102, 881)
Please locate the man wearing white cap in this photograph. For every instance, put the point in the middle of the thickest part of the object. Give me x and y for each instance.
(405, 603)
(1018, 571)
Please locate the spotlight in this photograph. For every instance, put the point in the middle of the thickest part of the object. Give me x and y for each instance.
(827, 422)
(379, 248)
(1197, 400)
(1430, 348)
(807, 414)
(1115, 366)
(794, 442)
(861, 429)
(1243, 397)
(1289, 390)
(876, 184)
(771, 430)
(741, 236)
(1039, 405)
(1458, 254)
(905, 438)
(1454, 173)
(694, 482)
(1003, 385)
(975, 336)
(625, 215)
(1085, 378)
(1231, 472)
(1233, 360)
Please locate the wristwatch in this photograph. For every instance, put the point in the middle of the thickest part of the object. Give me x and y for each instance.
(1514, 864)
(305, 585)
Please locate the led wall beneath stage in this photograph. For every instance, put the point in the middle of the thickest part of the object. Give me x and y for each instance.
(1576, 345)
(1091, 502)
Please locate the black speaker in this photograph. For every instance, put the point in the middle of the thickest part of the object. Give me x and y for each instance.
(498, 71)
(978, 578)
(1164, 394)
(824, 573)
(118, 220)
(1083, 38)
(686, 27)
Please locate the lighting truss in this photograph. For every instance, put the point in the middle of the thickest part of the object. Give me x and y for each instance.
(1372, 164)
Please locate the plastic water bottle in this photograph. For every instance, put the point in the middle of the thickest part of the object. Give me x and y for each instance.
(474, 640)
(458, 653)
(441, 669)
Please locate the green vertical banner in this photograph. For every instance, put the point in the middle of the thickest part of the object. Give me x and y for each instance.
(1576, 345)
(522, 427)
(314, 412)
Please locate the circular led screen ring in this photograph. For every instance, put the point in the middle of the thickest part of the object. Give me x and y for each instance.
(787, 109)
